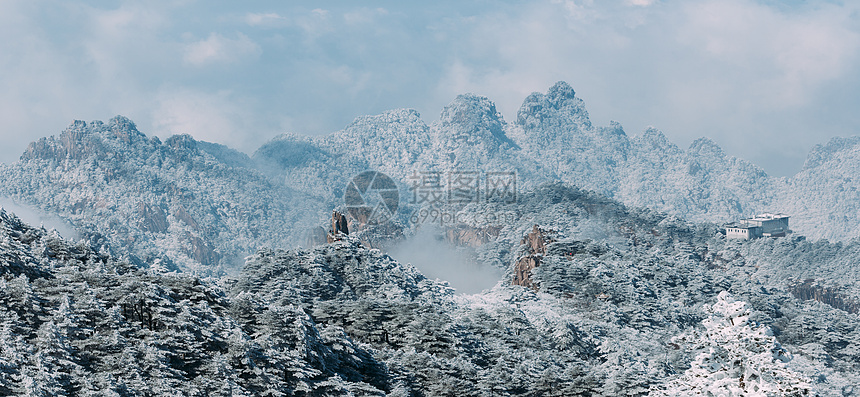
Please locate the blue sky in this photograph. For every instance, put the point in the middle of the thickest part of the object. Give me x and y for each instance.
(765, 80)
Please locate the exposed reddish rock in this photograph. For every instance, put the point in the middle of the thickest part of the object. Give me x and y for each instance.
(152, 218)
(468, 236)
(183, 215)
(523, 270)
(537, 240)
(831, 296)
(535, 246)
(339, 227)
(368, 234)
(202, 252)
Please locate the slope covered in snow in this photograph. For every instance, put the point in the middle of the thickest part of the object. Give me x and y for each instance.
(202, 207)
(179, 203)
(553, 139)
(623, 302)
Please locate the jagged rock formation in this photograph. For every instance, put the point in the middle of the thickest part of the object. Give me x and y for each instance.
(339, 227)
(553, 139)
(202, 206)
(827, 295)
(612, 298)
(535, 246)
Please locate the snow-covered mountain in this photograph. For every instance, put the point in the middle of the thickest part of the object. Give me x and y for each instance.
(553, 139)
(201, 206)
(615, 278)
(651, 305)
(195, 205)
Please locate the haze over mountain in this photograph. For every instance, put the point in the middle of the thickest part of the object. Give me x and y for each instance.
(612, 274)
(203, 203)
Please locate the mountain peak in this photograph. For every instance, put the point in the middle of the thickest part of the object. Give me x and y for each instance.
(182, 142)
(820, 154)
(560, 92)
(654, 138)
(80, 139)
(472, 119)
(123, 128)
(706, 147)
(559, 104)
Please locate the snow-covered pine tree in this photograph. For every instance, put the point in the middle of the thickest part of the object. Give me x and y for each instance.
(735, 357)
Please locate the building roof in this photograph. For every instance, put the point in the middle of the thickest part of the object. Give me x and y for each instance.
(741, 226)
(767, 217)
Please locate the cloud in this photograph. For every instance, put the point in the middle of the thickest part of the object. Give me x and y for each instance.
(220, 117)
(746, 73)
(219, 49)
(436, 258)
(268, 20)
(785, 56)
(37, 218)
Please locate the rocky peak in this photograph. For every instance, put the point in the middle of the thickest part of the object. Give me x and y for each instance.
(560, 92)
(705, 147)
(339, 227)
(653, 137)
(124, 129)
(558, 105)
(654, 142)
(472, 120)
(183, 142)
(289, 151)
(821, 154)
(81, 139)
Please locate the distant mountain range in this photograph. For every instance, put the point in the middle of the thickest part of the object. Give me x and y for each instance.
(202, 206)
(612, 276)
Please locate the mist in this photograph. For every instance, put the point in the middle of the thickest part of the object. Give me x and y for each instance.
(428, 251)
(35, 217)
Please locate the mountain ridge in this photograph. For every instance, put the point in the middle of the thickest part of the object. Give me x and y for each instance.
(84, 174)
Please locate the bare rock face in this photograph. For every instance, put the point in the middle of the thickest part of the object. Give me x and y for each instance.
(535, 247)
(523, 270)
(467, 236)
(339, 227)
(152, 218)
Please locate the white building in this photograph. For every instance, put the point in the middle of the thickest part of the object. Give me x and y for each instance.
(762, 225)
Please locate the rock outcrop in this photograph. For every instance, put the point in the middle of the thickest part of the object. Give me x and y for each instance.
(469, 236)
(339, 227)
(535, 247)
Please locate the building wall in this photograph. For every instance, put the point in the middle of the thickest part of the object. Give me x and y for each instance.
(737, 233)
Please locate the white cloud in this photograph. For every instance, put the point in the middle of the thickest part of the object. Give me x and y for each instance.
(219, 49)
(746, 74)
(641, 3)
(783, 57)
(210, 117)
(364, 16)
(269, 20)
(740, 71)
